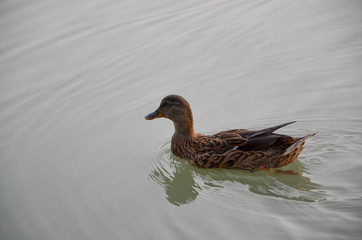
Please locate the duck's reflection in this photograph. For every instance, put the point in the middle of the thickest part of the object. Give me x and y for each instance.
(183, 183)
(178, 181)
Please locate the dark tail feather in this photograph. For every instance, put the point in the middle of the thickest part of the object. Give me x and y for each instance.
(297, 143)
(272, 129)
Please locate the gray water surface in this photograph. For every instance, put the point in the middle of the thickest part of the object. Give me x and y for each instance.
(78, 160)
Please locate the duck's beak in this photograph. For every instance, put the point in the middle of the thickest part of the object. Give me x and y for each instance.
(155, 114)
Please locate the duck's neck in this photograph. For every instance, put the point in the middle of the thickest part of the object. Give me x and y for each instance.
(184, 127)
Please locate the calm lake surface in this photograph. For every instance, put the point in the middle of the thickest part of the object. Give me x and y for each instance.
(78, 160)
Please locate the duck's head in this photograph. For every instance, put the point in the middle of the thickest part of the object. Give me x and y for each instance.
(177, 109)
(173, 107)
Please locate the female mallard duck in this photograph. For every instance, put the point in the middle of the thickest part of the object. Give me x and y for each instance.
(238, 148)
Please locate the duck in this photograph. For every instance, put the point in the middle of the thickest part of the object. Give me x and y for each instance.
(232, 149)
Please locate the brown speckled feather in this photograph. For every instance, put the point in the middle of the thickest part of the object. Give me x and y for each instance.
(238, 148)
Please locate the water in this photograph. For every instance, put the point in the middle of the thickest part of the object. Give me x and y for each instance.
(78, 160)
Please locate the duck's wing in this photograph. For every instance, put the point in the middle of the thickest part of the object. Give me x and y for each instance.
(272, 129)
(221, 142)
(243, 139)
(262, 139)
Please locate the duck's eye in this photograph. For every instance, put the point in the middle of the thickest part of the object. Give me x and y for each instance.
(164, 104)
